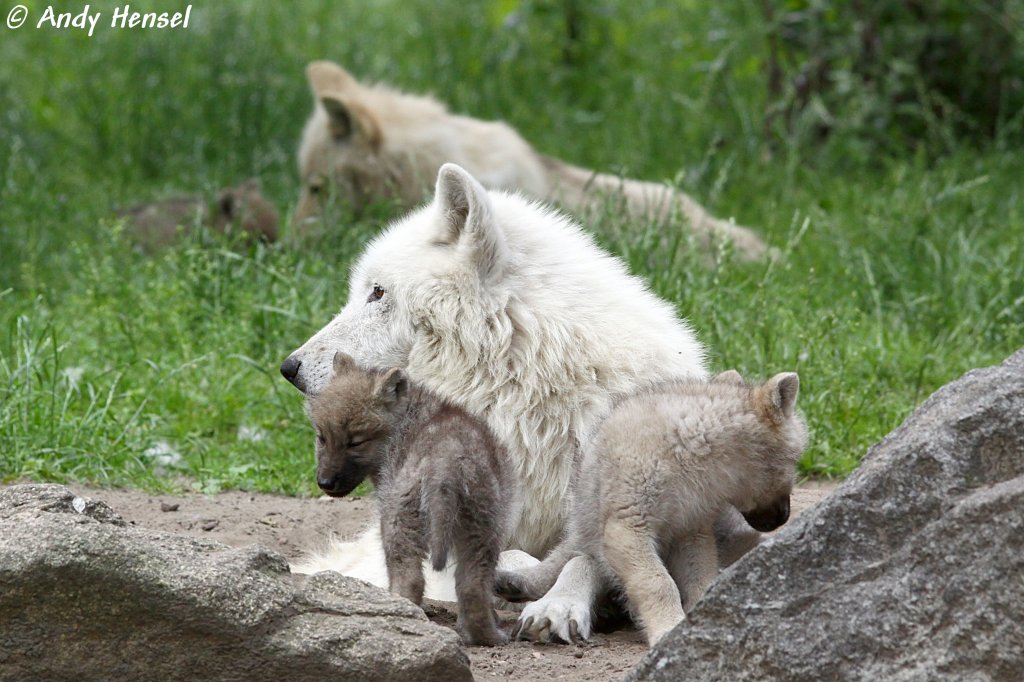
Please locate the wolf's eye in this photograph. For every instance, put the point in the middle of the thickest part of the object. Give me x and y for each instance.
(376, 294)
(320, 438)
(315, 189)
(356, 441)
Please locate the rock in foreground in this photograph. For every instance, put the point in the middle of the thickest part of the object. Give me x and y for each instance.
(911, 570)
(83, 595)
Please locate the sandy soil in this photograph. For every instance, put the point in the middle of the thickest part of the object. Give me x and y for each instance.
(292, 525)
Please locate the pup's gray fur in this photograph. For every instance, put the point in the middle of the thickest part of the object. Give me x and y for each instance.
(665, 463)
(442, 482)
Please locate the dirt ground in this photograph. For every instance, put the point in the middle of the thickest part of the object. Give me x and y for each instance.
(292, 525)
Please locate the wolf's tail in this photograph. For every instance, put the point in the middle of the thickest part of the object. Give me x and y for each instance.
(444, 509)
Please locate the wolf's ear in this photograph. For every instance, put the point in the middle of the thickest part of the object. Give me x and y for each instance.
(346, 119)
(781, 392)
(392, 386)
(337, 92)
(468, 221)
(325, 76)
(729, 376)
(343, 362)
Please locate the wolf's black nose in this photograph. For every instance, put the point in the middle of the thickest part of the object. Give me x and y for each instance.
(327, 484)
(290, 368)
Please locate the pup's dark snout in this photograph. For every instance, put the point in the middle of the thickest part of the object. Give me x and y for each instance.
(767, 519)
(336, 486)
(340, 482)
(290, 371)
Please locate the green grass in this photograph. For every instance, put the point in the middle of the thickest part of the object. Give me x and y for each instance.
(900, 272)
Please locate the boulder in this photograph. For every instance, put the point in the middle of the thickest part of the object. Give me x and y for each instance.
(912, 569)
(84, 595)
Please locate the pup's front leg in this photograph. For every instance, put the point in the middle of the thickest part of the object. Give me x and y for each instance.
(693, 564)
(531, 582)
(733, 536)
(653, 595)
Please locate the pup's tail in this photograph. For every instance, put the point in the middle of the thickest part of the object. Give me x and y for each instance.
(443, 517)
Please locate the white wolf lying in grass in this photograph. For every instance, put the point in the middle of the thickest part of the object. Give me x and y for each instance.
(369, 142)
(510, 310)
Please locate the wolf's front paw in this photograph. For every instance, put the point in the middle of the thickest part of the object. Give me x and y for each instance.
(554, 618)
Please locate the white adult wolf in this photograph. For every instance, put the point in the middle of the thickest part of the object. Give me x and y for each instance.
(510, 310)
(367, 142)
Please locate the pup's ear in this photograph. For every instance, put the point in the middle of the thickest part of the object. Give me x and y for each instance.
(468, 221)
(343, 362)
(226, 204)
(780, 393)
(392, 385)
(729, 376)
(338, 93)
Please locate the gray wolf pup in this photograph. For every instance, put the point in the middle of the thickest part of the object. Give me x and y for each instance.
(442, 482)
(665, 463)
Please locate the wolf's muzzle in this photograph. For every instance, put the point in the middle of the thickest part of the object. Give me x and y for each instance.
(290, 371)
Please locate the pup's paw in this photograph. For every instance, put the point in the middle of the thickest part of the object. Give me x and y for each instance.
(513, 587)
(558, 618)
(489, 637)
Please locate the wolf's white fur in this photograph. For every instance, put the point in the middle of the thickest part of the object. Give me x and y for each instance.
(364, 559)
(509, 309)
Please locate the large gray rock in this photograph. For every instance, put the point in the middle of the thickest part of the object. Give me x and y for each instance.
(913, 569)
(85, 596)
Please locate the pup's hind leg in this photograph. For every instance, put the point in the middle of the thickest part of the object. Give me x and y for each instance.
(477, 549)
(693, 563)
(402, 532)
(631, 552)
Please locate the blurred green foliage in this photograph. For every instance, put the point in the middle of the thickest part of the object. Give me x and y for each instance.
(893, 187)
(897, 75)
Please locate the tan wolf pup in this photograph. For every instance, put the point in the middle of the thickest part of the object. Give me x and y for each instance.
(442, 483)
(159, 224)
(369, 142)
(666, 461)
